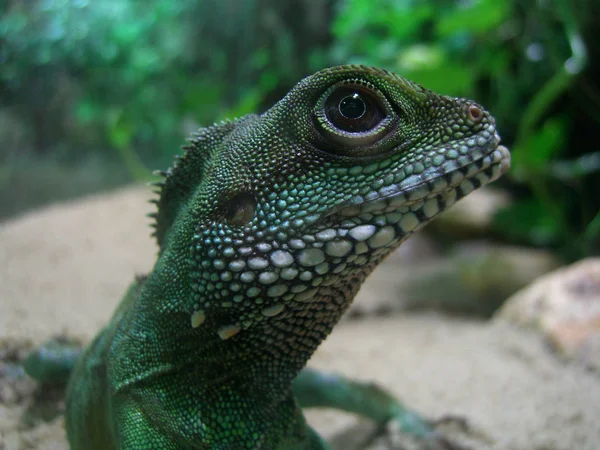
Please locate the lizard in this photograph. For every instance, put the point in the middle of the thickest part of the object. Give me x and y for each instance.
(267, 226)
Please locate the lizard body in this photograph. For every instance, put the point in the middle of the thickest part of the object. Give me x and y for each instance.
(267, 226)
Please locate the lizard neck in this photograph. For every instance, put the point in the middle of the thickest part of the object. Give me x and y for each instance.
(260, 361)
(246, 314)
(265, 358)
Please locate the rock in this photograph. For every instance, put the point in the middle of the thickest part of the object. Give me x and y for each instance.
(472, 216)
(475, 278)
(420, 248)
(565, 307)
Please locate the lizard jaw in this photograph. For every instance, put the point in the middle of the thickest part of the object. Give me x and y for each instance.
(448, 188)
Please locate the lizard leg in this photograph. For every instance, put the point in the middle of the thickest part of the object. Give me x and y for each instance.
(303, 436)
(53, 361)
(321, 389)
(316, 442)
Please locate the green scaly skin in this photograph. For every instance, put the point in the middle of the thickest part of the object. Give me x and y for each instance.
(267, 227)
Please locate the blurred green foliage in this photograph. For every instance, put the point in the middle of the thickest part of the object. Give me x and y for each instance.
(527, 62)
(127, 75)
(128, 80)
(79, 77)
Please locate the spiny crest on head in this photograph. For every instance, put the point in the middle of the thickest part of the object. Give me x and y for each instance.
(183, 177)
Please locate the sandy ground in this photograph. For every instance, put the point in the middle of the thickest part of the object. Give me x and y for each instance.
(64, 268)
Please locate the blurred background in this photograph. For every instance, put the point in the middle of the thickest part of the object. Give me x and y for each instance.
(97, 94)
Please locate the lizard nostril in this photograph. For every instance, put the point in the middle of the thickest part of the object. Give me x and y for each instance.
(475, 113)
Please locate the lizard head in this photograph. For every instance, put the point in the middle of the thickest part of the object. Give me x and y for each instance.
(283, 215)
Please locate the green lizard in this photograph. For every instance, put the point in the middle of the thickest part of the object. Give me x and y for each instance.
(267, 226)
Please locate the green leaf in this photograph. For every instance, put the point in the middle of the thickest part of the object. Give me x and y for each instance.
(476, 16)
(536, 152)
(247, 104)
(422, 57)
(528, 220)
(87, 111)
(430, 66)
(569, 170)
(120, 131)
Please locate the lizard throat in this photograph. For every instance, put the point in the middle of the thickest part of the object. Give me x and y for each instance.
(260, 290)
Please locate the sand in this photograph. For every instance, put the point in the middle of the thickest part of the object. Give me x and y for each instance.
(64, 268)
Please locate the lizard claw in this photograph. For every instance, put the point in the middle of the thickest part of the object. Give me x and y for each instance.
(421, 430)
(437, 441)
(459, 421)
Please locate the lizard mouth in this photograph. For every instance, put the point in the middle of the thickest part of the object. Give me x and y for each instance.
(432, 193)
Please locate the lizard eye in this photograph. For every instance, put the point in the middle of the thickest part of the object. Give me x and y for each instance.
(353, 114)
(351, 110)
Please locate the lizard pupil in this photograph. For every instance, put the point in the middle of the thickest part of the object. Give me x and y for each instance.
(354, 109)
(352, 106)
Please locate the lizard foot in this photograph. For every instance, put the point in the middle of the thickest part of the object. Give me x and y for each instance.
(321, 389)
(422, 433)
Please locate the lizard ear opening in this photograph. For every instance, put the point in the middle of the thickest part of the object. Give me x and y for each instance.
(240, 209)
(353, 113)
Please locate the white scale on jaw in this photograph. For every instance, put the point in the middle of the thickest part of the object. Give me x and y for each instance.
(271, 275)
(302, 265)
